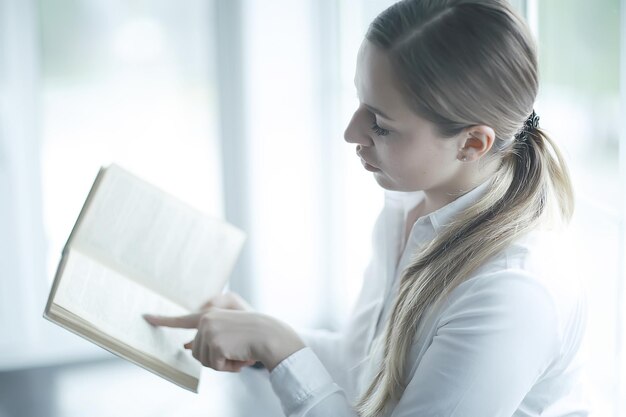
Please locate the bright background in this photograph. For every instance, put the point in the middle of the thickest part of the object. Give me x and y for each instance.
(238, 107)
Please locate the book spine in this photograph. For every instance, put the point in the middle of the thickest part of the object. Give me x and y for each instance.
(83, 210)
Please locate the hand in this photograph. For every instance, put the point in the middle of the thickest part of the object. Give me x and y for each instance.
(228, 340)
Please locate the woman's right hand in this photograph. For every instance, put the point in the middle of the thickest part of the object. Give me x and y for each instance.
(231, 301)
(228, 300)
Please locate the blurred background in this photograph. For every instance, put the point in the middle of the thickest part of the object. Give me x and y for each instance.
(238, 107)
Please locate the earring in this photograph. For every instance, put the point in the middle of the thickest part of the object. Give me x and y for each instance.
(463, 157)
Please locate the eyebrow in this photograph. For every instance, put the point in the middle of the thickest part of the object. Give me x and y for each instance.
(375, 110)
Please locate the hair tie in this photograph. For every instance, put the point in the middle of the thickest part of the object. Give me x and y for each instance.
(531, 123)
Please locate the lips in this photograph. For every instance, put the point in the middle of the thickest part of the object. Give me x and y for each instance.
(369, 167)
(366, 164)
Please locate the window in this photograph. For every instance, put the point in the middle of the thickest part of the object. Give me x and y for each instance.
(87, 84)
(578, 104)
(130, 82)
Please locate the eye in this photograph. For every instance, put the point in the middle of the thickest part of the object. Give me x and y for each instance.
(379, 130)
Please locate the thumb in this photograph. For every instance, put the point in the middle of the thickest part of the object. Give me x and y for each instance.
(189, 321)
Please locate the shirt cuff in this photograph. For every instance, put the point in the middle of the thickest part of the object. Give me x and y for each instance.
(300, 377)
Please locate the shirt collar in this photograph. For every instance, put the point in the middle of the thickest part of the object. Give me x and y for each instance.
(442, 216)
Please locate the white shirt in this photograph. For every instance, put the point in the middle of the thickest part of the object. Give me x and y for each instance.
(505, 343)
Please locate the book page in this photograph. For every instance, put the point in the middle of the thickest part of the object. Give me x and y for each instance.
(114, 305)
(157, 240)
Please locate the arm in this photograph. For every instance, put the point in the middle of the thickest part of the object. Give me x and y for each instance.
(326, 344)
(305, 388)
(492, 343)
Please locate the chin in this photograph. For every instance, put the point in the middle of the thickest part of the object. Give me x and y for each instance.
(392, 186)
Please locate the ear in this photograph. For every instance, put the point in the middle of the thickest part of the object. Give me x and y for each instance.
(475, 141)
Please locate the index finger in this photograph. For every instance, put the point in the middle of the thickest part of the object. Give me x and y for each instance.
(189, 321)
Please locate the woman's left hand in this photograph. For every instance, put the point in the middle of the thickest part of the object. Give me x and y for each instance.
(227, 340)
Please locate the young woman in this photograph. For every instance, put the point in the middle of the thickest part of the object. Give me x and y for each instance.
(457, 315)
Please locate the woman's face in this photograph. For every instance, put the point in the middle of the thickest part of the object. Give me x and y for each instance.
(403, 150)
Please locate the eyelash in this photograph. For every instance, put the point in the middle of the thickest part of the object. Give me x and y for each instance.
(379, 130)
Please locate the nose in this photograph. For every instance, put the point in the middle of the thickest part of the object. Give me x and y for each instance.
(357, 130)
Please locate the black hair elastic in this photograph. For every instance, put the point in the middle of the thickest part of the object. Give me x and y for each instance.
(531, 123)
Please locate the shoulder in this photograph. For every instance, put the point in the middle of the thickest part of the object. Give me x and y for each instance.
(531, 285)
(540, 259)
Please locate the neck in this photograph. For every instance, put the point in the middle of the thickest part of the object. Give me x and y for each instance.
(442, 195)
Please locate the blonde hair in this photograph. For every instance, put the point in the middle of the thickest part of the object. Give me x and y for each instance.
(462, 63)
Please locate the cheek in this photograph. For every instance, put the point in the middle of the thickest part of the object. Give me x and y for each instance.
(432, 158)
(409, 157)
(419, 164)
(401, 164)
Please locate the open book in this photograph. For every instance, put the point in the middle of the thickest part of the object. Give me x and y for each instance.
(136, 249)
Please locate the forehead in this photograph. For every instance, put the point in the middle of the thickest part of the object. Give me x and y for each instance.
(375, 80)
